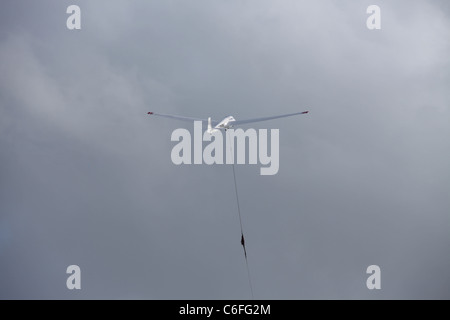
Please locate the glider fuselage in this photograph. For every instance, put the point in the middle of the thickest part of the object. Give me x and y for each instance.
(226, 123)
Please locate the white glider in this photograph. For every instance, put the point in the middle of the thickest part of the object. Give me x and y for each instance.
(226, 123)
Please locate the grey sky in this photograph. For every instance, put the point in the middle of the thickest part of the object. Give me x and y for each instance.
(86, 177)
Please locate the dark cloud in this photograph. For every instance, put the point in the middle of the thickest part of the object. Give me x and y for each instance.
(86, 178)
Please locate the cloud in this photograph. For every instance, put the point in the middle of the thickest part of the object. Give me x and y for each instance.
(86, 177)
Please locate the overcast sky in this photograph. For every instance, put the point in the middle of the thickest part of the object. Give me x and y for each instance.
(86, 176)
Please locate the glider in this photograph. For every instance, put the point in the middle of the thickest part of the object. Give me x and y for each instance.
(226, 123)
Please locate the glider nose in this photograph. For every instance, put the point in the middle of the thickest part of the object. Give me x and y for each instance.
(149, 112)
(305, 112)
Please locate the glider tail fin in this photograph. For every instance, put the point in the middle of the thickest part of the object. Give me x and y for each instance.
(210, 128)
